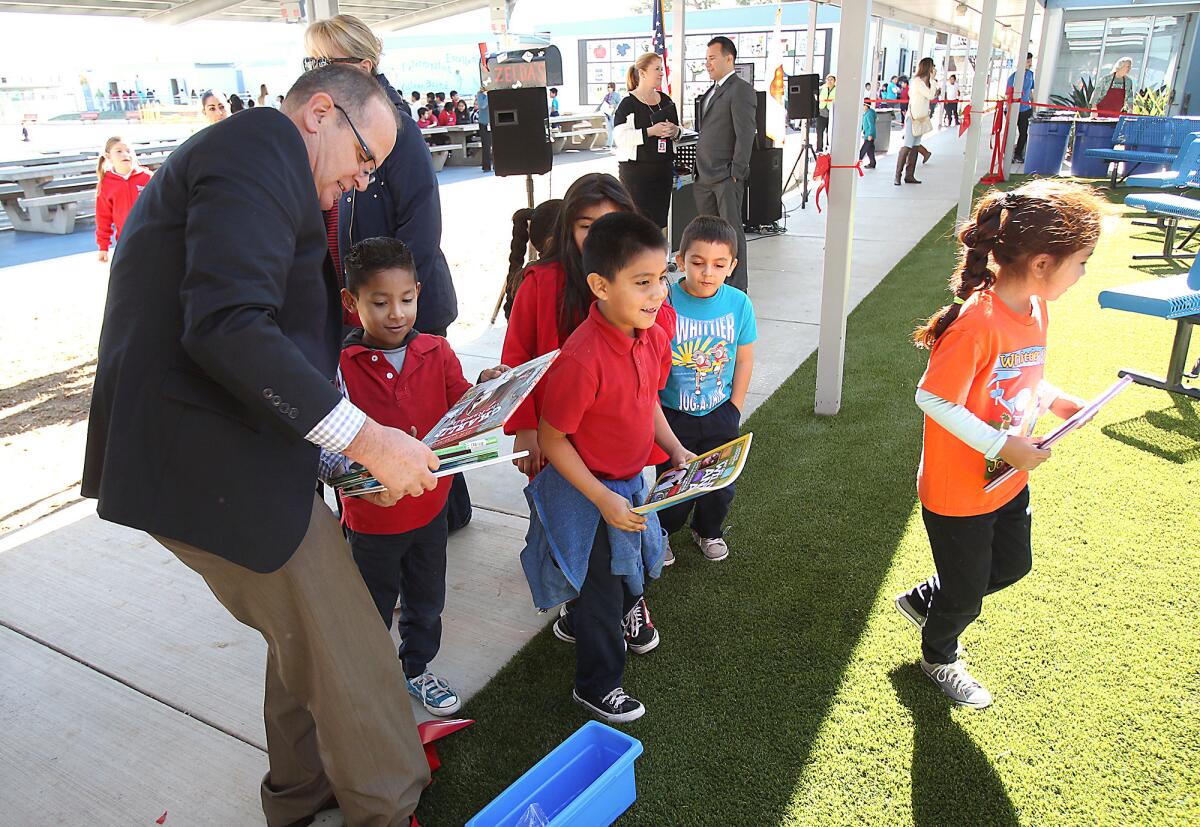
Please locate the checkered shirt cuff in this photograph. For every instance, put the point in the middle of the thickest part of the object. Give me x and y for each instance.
(339, 427)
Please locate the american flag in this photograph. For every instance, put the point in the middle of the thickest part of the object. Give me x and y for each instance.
(659, 40)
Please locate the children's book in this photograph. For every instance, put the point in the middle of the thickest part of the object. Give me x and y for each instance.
(703, 475)
(458, 437)
(488, 405)
(1074, 423)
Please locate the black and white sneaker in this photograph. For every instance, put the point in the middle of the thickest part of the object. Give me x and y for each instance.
(914, 603)
(640, 635)
(614, 708)
(563, 630)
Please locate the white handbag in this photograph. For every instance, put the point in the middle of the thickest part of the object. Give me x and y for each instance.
(921, 126)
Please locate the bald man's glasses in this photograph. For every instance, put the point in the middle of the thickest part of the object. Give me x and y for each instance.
(365, 155)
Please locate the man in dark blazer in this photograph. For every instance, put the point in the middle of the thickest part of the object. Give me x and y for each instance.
(212, 395)
(727, 112)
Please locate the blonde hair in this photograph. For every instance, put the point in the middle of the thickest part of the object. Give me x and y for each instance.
(639, 65)
(343, 35)
(101, 164)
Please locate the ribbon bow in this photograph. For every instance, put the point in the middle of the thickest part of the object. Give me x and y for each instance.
(821, 173)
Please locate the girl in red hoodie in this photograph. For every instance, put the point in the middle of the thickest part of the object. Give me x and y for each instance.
(119, 181)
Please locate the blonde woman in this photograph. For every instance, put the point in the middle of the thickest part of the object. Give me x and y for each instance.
(1112, 94)
(646, 125)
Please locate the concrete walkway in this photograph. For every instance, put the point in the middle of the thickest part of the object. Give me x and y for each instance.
(126, 691)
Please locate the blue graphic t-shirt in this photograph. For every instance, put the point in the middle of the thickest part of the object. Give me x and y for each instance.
(708, 333)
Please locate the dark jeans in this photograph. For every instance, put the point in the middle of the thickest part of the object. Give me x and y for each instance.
(903, 113)
(867, 150)
(1022, 134)
(700, 434)
(411, 567)
(950, 110)
(597, 619)
(975, 556)
(485, 138)
(822, 127)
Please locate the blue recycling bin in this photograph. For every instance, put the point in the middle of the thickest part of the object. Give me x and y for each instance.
(1091, 134)
(1047, 145)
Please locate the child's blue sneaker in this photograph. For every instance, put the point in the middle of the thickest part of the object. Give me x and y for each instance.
(434, 694)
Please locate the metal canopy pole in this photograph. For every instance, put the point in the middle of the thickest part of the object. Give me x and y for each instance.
(983, 65)
(854, 27)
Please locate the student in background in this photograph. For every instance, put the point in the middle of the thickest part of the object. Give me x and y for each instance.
(462, 114)
(609, 107)
(264, 97)
(416, 99)
(425, 118)
(531, 228)
(867, 150)
(950, 101)
(446, 117)
(712, 360)
(119, 182)
(553, 102)
(981, 395)
(235, 105)
(1026, 107)
(406, 380)
(600, 421)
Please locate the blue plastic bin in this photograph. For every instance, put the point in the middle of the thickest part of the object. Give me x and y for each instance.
(1047, 145)
(586, 781)
(1091, 134)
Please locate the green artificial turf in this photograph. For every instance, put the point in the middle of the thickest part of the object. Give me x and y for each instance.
(785, 690)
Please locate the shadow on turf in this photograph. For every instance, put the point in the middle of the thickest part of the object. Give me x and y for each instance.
(1170, 433)
(953, 781)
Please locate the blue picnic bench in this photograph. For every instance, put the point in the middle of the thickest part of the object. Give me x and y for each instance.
(1168, 210)
(1176, 298)
(1144, 140)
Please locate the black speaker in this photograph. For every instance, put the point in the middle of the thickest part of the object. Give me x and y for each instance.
(520, 125)
(764, 196)
(761, 141)
(802, 96)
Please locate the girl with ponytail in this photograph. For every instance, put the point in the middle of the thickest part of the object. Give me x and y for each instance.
(119, 181)
(531, 227)
(981, 395)
(554, 298)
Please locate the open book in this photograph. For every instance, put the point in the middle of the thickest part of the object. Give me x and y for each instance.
(703, 475)
(459, 438)
(1077, 421)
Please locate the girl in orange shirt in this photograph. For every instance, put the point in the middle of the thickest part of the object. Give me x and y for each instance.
(982, 394)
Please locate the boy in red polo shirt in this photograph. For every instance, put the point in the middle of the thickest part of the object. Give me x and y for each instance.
(600, 420)
(407, 380)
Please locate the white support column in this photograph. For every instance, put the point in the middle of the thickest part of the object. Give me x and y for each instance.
(1048, 47)
(678, 14)
(321, 9)
(1019, 82)
(983, 65)
(812, 37)
(853, 28)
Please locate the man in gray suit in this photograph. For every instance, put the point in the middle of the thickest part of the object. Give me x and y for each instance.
(727, 112)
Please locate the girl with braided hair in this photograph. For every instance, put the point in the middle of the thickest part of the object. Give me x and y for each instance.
(981, 395)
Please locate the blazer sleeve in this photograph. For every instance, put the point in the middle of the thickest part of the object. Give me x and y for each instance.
(239, 242)
(743, 108)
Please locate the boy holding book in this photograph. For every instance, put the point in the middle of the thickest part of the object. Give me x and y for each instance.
(403, 379)
(712, 359)
(599, 422)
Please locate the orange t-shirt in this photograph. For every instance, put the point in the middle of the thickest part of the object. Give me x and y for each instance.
(991, 361)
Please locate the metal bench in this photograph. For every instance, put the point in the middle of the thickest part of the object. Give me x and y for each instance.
(439, 154)
(89, 117)
(1169, 210)
(1176, 299)
(1144, 140)
(1183, 173)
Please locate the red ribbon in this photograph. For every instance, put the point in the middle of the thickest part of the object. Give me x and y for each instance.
(821, 172)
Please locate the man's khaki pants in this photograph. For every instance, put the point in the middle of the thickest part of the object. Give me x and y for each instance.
(337, 709)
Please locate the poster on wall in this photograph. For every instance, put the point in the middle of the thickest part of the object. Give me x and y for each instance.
(597, 50)
(622, 50)
(752, 44)
(695, 46)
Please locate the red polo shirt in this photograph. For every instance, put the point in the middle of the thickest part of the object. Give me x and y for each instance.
(533, 331)
(602, 391)
(429, 383)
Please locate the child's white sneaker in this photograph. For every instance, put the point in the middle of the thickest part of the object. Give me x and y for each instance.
(713, 549)
(434, 694)
(957, 684)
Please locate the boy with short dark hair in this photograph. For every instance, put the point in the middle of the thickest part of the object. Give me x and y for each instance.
(712, 359)
(600, 420)
(408, 380)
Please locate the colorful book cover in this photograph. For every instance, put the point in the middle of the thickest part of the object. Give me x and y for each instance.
(706, 473)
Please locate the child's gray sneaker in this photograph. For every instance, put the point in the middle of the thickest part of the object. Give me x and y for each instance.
(957, 684)
(434, 694)
(668, 553)
(713, 549)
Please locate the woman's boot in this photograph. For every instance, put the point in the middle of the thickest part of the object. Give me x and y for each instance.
(925, 153)
(901, 159)
(910, 167)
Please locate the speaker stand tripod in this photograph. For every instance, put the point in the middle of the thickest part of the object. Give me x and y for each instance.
(806, 152)
(528, 251)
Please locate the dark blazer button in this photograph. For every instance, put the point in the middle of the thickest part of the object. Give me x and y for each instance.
(284, 408)
(293, 413)
(267, 393)
(276, 400)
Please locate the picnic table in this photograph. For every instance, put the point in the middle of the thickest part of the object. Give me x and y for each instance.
(460, 139)
(45, 198)
(583, 130)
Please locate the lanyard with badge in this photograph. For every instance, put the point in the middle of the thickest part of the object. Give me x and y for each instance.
(658, 116)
